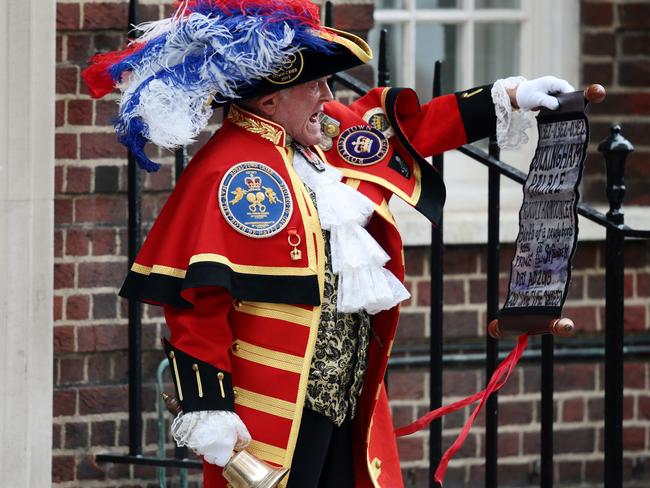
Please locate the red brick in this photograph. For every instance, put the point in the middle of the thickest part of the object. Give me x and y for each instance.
(354, 17)
(80, 112)
(402, 415)
(103, 242)
(411, 326)
(634, 15)
(634, 438)
(57, 312)
(96, 274)
(461, 323)
(460, 260)
(77, 307)
(65, 146)
(598, 44)
(59, 48)
(410, 448)
(161, 180)
(574, 441)
(56, 436)
(643, 284)
(458, 383)
(102, 338)
(62, 211)
(634, 318)
(596, 14)
(508, 444)
(623, 103)
(99, 145)
(594, 471)
(63, 275)
(583, 317)
(586, 257)
(636, 43)
(59, 113)
(573, 410)
(64, 402)
(102, 433)
(634, 73)
(570, 471)
(71, 370)
(515, 413)
(79, 179)
(574, 377)
(105, 16)
(66, 79)
(58, 243)
(634, 376)
(602, 73)
(62, 468)
(103, 399)
(76, 242)
(644, 408)
(63, 338)
(468, 449)
(67, 16)
(596, 286)
(76, 435)
(99, 368)
(576, 288)
(406, 385)
(79, 48)
(101, 209)
(105, 112)
(87, 467)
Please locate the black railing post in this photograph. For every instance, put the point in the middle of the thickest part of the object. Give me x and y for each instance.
(491, 345)
(435, 320)
(383, 71)
(615, 149)
(546, 414)
(135, 308)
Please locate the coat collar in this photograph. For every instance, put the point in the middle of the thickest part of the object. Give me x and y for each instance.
(259, 126)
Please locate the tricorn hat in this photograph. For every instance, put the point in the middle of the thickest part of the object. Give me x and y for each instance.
(217, 50)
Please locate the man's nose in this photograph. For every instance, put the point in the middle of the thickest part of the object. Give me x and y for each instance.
(325, 92)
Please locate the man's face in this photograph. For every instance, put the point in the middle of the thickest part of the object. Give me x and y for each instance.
(299, 109)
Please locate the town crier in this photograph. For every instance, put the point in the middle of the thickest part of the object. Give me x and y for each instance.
(276, 258)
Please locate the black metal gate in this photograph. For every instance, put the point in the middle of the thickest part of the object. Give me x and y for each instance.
(612, 350)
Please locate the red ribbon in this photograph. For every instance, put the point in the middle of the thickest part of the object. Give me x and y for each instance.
(498, 379)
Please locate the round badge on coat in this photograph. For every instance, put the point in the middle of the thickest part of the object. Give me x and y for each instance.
(255, 200)
(362, 145)
(375, 117)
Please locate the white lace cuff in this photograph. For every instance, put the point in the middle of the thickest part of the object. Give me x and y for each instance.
(511, 124)
(212, 434)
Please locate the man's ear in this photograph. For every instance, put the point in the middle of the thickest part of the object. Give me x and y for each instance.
(268, 104)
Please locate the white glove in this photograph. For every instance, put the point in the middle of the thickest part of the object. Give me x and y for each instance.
(537, 93)
(212, 434)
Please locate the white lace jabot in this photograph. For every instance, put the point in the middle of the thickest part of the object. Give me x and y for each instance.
(357, 259)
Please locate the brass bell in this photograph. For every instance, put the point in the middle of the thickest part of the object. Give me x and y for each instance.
(246, 471)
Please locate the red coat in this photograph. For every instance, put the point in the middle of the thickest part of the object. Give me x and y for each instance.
(241, 304)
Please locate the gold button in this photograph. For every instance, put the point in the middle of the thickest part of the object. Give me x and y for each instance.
(195, 367)
(331, 130)
(220, 375)
(237, 303)
(235, 393)
(377, 463)
(172, 355)
(235, 346)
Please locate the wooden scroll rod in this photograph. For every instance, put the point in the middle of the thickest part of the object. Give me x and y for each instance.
(533, 325)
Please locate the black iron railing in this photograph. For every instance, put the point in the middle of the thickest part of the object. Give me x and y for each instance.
(613, 350)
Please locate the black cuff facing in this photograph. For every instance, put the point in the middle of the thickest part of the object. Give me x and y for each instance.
(199, 385)
(477, 111)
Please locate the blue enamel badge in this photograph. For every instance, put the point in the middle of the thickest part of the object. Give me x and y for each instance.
(255, 200)
(362, 145)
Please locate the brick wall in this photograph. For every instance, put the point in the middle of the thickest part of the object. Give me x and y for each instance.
(578, 385)
(90, 369)
(616, 53)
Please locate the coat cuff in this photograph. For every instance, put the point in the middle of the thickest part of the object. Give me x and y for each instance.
(477, 112)
(199, 385)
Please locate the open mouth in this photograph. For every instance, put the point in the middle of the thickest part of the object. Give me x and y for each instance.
(315, 118)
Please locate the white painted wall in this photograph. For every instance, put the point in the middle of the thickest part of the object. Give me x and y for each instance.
(27, 67)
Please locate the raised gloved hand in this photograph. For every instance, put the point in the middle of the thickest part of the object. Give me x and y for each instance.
(212, 434)
(537, 93)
